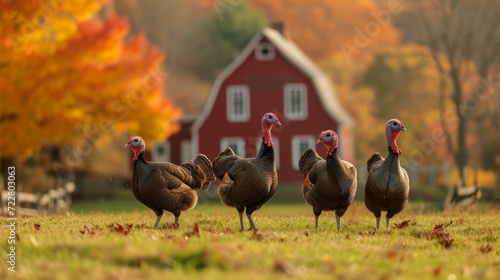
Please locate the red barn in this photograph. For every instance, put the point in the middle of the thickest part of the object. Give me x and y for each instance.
(270, 75)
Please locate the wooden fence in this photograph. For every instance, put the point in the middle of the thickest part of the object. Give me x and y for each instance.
(55, 201)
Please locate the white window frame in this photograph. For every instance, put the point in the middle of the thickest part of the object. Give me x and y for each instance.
(288, 90)
(167, 157)
(296, 152)
(230, 95)
(186, 153)
(229, 141)
(276, 147)
(269, 56)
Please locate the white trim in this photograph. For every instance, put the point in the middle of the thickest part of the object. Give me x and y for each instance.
(230, 95)
(229, 141)
(166, 156)
(276, 147)
(296, 151)
(271, 52)
(288, 89)
(185, 147)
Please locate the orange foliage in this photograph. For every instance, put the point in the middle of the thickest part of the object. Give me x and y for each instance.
(60, 79)
(354, 28)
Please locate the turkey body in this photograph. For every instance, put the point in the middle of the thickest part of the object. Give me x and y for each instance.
(166, 186)
(388, 185)
(247, 183)
(329, 185)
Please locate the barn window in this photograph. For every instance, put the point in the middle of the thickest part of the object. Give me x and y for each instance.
(161, 152)
(300, 143)
(295, 101)
(265, 51)
(276, 147)
(235, 143)
(238, 103)
(186, 151)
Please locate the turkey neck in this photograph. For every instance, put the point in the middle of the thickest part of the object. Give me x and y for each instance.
(334, 164)
(391, 164)
(140, 158)
(266, 153)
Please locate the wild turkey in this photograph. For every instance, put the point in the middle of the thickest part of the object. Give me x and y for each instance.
(248, 183)
(166, 186)
(388, 185)
(329, 185)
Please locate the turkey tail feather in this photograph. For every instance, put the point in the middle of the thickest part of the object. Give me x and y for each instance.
(376, 157)
(206, 166)
(307, 161)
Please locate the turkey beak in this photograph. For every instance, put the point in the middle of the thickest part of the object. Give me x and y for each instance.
(277, 122)
(403, 128)
(126, 145)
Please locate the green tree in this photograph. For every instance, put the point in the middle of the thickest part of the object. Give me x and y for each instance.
(223, 35)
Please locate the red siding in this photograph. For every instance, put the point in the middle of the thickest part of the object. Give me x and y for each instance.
(266, 80)
(175, 140)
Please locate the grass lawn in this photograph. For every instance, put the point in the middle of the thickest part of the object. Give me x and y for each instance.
(111, 240)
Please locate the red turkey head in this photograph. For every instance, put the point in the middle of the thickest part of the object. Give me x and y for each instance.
(267, 122)
(270, 119)
(392, 130)
(137, 145)
(330, 140)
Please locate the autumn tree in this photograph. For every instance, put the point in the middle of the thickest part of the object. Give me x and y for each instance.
(464, 42)
(321, 28)
(67, 78)
(405, 80)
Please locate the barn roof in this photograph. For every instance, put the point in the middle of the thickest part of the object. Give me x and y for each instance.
(320, 80)
(296, 57)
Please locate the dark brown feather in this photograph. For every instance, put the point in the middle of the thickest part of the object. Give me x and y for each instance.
(254, 180)
(162, 185)
(333, 182)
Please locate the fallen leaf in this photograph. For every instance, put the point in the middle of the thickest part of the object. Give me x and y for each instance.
(257, 235)
(485, 249)
(281, 267)
(437, 271)
(406, 223)
(120, 229)
(91, 230)
(38, 226)
(443, 237)
(194, 232)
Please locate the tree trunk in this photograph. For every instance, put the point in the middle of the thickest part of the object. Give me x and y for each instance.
(461, 155)
(4, 164)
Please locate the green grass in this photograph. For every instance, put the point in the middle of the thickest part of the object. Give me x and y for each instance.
(90, 245)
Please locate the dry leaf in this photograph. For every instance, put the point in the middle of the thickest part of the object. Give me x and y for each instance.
(406, 223)
(485, 249)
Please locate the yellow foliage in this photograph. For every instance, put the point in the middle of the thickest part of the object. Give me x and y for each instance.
(485, 178)
(66, 77)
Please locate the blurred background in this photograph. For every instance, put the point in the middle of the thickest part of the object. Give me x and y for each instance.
(78, 78)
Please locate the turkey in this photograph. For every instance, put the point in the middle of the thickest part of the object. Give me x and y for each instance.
(388, 185)
(248, 183)
(329, 185)
(166, 186)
